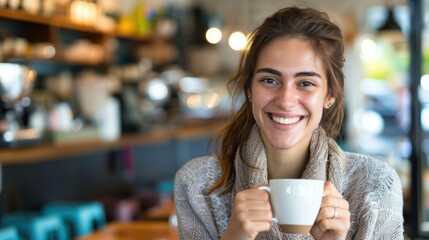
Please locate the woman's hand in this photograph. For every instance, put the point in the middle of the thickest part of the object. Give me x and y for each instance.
(251, 214)
(333, 220)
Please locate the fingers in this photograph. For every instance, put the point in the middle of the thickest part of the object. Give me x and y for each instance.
(333, 197)
(253, 204)
(252, 194)
(255, 216)
(251, 214)
(334, 211)
(253, 228)
(330, 189)
(333, 218)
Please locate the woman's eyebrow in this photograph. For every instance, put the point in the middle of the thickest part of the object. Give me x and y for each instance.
(308, 74)
(299, 74)
(269, 70)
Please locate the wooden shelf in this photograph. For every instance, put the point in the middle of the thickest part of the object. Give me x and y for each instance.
(61, 22)
(62, 33)
(51, 151)
(23, 16)
(56, 60)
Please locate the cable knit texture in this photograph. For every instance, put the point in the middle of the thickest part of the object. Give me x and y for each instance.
(371, 187)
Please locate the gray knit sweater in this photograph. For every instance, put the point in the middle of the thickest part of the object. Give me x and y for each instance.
(371, 187)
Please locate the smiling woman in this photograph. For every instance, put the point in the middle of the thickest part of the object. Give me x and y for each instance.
(291, 74)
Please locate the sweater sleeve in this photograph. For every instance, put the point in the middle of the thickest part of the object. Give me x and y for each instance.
(390, 223)
(194, 216)
(383, 209)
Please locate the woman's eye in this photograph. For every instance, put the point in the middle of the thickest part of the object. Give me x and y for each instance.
(269, 81)
(306, 84)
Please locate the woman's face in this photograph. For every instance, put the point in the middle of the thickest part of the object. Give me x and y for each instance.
(288, 92)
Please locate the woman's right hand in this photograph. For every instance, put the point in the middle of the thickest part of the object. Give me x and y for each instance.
(251, 214)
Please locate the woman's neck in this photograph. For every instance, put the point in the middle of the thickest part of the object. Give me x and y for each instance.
(286, 163)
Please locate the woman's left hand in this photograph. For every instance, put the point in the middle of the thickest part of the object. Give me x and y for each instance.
(333, 220)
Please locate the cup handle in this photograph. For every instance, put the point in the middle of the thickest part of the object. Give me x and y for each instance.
(268, 190)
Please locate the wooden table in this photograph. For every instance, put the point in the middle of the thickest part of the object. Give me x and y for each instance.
(134, 231)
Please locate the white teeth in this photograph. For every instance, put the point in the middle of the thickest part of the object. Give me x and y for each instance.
(285, 120)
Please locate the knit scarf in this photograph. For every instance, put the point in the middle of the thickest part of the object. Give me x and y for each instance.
(327, 162)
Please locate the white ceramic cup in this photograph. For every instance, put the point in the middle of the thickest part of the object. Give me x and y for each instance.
(295, 203)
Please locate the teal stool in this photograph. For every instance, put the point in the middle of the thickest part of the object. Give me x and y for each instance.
(41, 228)
(9, 233)
(33, 226)
(82, 217)
(20, 220)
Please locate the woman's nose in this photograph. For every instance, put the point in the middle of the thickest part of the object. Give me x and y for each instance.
(287, 97)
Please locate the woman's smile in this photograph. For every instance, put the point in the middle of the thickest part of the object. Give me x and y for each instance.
(284, 120)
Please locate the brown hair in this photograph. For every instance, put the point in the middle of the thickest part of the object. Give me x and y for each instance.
(326, 39)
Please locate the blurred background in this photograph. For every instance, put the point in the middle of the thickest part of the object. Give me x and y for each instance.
(102, 101)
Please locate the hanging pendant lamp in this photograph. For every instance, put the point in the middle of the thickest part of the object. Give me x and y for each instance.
(390, 29)
(390, 24)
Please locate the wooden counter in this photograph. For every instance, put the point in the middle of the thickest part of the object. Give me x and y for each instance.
(134, 231)
(51, 151)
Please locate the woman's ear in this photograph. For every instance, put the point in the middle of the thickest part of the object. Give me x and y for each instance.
(249, 95)
(329, 102)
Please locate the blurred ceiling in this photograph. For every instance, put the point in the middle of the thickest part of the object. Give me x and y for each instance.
(252, 12)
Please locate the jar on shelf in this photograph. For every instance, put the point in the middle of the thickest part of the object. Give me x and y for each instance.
(31, 6)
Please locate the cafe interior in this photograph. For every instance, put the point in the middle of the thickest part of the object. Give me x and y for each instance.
(102, 101)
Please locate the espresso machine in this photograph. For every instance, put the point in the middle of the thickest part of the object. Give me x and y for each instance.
(16, 84)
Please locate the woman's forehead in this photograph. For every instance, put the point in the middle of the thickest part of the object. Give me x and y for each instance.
(293, 53)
